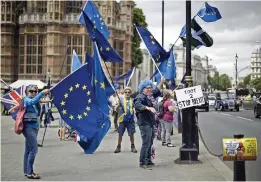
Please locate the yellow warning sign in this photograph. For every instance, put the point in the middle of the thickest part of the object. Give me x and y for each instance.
(239, 149)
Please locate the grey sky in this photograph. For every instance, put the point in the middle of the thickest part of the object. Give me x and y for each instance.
(237, 32)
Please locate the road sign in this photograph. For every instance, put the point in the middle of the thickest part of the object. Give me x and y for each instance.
(239, 149)
(189, 97)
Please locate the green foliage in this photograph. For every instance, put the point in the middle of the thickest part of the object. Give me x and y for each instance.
(246, 80)
(138, 19)
(256, 83)
(221, 82)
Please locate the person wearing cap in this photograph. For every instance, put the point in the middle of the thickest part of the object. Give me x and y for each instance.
(31, 125)
(145, 113)
(126, 119)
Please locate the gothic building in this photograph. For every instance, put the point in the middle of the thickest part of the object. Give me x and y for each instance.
(256, 62)
(41, 35)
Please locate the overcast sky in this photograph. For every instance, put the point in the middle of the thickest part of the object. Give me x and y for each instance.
(237, 32)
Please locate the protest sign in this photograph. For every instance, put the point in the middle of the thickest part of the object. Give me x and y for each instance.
(189, 97)
(239, 149)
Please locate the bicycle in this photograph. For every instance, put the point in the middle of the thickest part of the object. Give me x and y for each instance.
(69, 132)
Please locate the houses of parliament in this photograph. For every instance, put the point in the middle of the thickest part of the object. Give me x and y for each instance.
(37, 36)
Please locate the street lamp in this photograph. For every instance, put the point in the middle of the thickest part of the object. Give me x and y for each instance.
(236, 73)
(188, 150)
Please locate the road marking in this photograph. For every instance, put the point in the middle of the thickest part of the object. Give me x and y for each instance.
(244, 118)
(225, 114)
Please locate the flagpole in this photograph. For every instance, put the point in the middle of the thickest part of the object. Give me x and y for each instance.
(131, 76)
(149, 53)
(108, 73)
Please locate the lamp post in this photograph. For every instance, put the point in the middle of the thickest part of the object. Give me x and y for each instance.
(188, 150)
(163, 23)
(236, 73)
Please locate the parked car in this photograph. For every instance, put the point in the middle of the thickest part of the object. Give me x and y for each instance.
(211, 101)
(204, 106)
(257, 108)
(225, 100)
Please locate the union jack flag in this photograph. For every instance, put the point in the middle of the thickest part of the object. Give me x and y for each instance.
(12, 100)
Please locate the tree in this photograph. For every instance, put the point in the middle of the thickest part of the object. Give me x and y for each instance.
(256, 83)
(215, 81)
(210, 80)
(138, 19)
(224, 82)
(241, 85)
(247, 79)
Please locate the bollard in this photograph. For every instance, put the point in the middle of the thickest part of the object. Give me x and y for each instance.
(239, 166)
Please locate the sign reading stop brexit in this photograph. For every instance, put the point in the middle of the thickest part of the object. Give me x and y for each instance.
(240, 149)
(189, 97)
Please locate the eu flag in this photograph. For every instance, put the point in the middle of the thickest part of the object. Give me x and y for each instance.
(209, 13)
(94, 15)
(102, 86)
(126, 76)
(183, 79)
(167, 68)
(76, 63)
(89, 62)
(157, 52)
(107, 52)
(76, 103)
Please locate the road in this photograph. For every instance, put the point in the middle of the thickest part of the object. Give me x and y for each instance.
(216, 125)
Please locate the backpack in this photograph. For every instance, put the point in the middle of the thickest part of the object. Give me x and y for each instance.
(19, 125)
(161, 109)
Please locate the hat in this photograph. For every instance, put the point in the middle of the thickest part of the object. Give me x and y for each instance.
(127, 88)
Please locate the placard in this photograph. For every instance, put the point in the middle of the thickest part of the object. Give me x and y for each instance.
(189, 97)
(239, 149)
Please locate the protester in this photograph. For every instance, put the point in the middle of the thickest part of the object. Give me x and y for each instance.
(62, 129)
(31, 125)
(167, 119)
(114, 102)
(126, 120)
(45, 108)
(146, 119)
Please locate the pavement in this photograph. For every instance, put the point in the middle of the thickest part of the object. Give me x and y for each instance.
(65, 161)
(216, 125)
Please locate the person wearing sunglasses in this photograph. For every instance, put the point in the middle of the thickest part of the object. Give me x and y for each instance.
(31, 125)
(126, 120)
(145, 113)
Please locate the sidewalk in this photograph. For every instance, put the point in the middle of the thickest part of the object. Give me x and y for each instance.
(66, 161)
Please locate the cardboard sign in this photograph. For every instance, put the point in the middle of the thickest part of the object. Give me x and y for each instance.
(239, 149)
(189, 97)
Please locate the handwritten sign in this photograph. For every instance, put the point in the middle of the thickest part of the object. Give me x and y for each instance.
(189, 97)
(239, 149)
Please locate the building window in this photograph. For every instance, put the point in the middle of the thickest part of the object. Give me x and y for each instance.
(88, 45)
(73, 6)
(21, 54)
(34, 54)
(75, 44)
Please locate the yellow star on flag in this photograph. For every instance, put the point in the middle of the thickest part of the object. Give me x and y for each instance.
(84, 87)
(71, 117)
(65, 95)
(79, 116)
(94, 21)
(151, 37)
(94, 27)
(88, 93)
(64, 111)
(88, 108)
(152, 42)
(101, 49)
(95, 81)
(62, 103)
(77, 85)
(90, 100)
(85, 113)
(107, 49)
(103, 85)
(71, 89)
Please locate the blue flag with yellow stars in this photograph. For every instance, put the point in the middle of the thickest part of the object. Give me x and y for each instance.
(209, 13)
(102, 87)
(157, 52)
(167, 68)
(75, 100)
(94, 15)
(108, 54)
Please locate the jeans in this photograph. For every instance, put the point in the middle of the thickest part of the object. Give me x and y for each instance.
(31, 149)
(147, 136)
(166, 130)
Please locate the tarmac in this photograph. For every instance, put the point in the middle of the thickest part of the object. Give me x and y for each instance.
(65, 160)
